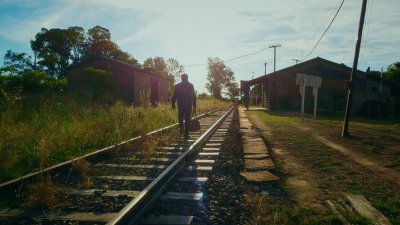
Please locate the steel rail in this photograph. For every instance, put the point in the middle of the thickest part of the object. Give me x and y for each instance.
(134, 211)
(12, 184)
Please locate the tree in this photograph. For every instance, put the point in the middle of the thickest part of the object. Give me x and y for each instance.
(99, 42)
(77, 36)
(18, 63)
(125, 57)
(373, 73)
(233, 90)
(156, 65)
(170, 68)
(219, 76)
(54, 49)
(393, 73)
(175, 69)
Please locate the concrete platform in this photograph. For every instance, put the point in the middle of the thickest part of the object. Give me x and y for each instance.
(259, 164)
(259, 176)
(254, 148)
(256, 158)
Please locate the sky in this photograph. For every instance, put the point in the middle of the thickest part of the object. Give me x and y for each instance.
(191, 31)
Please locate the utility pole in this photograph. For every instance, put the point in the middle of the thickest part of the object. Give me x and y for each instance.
(380, 94)
(274, 46)
(265, 68)
(345, 131)
(296, 60)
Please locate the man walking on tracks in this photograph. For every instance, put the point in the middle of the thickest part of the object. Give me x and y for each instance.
(184, 93)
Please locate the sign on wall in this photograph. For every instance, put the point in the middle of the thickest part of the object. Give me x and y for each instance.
(304, 80)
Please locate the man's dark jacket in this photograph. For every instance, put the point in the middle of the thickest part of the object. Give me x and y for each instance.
(184, 93)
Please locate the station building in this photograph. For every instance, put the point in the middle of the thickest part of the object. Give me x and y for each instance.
(130, 80)
(279, 90)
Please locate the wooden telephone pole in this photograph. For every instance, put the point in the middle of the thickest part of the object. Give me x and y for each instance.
(274, 46)
(345, 131)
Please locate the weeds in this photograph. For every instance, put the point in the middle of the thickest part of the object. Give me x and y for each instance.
(67, 128)
(82, 167)
(43, 196)
(271, 211)
(335, 173)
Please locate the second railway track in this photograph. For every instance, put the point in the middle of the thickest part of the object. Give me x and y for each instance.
(119, 185)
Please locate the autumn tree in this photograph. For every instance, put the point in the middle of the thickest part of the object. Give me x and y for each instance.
(219, 77)
(99, 42)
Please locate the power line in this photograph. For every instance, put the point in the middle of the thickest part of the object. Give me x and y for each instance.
(326, 30)
(275, 46)
(227, 60)
(365, 41)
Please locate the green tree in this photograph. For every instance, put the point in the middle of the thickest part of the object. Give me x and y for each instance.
(156, 65)
(97, 83)
(77, 36)
(373, 73)
(54, 49)
(170, 68)
(20, 62)
(393, 73)
(232, 90)
(219, 76)
(175, 69)
(125, 57)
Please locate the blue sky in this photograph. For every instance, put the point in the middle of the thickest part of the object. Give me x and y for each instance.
(191, 31)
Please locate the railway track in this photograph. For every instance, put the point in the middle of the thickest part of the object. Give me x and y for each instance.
(120, 184)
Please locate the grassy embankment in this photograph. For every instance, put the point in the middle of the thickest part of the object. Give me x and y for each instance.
(334, 174)
(56, 131)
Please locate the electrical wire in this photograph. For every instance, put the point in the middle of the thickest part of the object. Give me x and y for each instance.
(365, 39)
(231, 59)
(326, 30)
(264, 49)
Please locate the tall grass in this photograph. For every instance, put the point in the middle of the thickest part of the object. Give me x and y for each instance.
(68, 128)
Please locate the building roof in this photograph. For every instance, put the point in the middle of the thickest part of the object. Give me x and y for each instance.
(322, 67)
(118, 62)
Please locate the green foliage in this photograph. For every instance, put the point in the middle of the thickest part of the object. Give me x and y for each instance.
(144, 98)
(97, 83)
(233, 90)
(33, 82)
(219, 76)
(156, 65)
(61, 128)
(54, 49)
(20, 62)
(393, 72)
(170, 68)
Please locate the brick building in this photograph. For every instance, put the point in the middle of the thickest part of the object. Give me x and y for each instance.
(128, 79)
(279, 90)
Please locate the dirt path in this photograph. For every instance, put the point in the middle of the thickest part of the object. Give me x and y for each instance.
(386, 173)
(302, 184)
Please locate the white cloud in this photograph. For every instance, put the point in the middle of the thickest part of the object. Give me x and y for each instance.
(191, 31)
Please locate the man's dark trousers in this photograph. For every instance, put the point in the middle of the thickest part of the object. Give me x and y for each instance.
(184, 114)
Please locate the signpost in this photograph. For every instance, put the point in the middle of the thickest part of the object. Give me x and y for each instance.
(304, 80)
